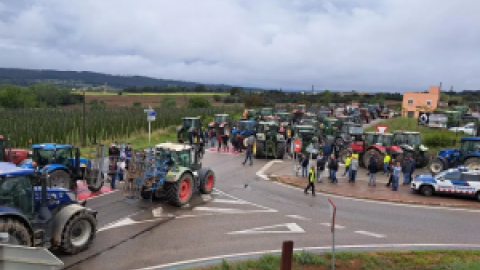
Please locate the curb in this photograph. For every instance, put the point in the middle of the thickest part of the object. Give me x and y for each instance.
(276, 179)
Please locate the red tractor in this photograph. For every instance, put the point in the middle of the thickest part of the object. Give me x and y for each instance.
(373, 143)
(12, 155)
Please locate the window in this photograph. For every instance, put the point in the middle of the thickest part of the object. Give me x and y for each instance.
(17, 192)
(410, 101)
(411, 114)
(429, 102)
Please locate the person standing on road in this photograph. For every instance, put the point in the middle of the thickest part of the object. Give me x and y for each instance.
(396, 174)
(373, 169)
(413, 166)
(336, 150)
(311, 180)
(320, 167)
(225, 143)
(206, 136)
(219, 139)
(406, 169)
(391, 166)
(327, 148)
(128, 154)
(250, 141)
(353, 169)
(348, 159)
(305, 162)
(213, 137)
(386, 162)
(333, 166)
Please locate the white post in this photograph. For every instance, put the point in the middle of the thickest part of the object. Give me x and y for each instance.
(149, 131)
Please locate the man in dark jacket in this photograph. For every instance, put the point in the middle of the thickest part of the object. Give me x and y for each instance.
(406, 170)
(373, 169)
(305, 162)
(333, 166)
(327, 149)
(413, 166)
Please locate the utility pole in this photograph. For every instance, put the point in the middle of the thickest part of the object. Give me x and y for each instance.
(84, 134)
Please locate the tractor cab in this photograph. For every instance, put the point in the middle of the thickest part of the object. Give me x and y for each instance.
(322, 115)
(246, 127)
(307, 135)
(283, 119)
(298, 112)
(35, 215)
(349, 132)
(219, 119)
(266, 113)
(189, 124)
(329, 126)
(221, 124)
(250, 114)
(411, 144)
(309, 116)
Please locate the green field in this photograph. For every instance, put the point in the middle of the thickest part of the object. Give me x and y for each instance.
(152, 94)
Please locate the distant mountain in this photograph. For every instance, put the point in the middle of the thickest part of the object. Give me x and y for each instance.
(77, 79)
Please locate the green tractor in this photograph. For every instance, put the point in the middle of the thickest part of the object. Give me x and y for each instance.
(299, 112)
(284, 121)
(222, 124)
(411, 144)
(269, 142)
(189, 124)
(317, 131)
(329, 126)
(266, 113)
(250, 115)
(306, 133)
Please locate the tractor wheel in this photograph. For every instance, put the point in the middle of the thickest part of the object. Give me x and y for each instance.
(180, 192)
(368, 155)
(18, 233)
(90, 177)
(436, 166)
(61, 179)
(342, 156)
(477, 196)
(207, 183)
(473, 163)
(281, 150)
(423, 159)
(146, 194)
(79, 233)
(259, 149)
(426, 191)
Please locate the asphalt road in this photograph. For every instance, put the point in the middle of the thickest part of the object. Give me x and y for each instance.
(225, 222)
(248, 214)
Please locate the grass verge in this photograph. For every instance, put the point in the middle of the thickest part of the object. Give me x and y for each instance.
(387, 260)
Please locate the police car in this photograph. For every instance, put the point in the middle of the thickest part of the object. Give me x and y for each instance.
(461, 181)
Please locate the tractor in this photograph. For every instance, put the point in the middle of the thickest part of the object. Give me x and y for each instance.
(299, 112)
(317, 131)
(306, 133)
(266, 113)
(172, 170)
(374, 143)
(269, 142)
(329, 126)
(16, 156)
(411, 144)
(468, 155)
(244, 129)
(322, 115)
(60, 162)
(250, 114)
(222, 124)
(41, 216)
(284, 121)
(347, 132)
(188, 126)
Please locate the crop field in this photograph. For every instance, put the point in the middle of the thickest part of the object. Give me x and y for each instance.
(65, 125)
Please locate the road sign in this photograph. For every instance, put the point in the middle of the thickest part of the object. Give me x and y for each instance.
(382, 129)
(151, 115)
(298, 145)
(333, 210)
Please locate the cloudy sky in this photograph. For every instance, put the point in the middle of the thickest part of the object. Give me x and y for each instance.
(368, 45)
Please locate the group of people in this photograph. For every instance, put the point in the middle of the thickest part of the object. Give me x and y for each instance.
(392, 168)
(118, 161)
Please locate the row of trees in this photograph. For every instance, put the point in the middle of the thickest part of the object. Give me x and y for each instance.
(36, 96)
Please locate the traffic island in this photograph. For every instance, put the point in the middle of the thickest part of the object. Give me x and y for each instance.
(380, 192)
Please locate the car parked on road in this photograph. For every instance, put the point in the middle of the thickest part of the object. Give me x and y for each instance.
(458, 181)
(469, 129)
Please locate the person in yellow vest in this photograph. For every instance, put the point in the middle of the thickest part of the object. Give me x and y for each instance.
(386, 161)
(348, 159)
(311, 180)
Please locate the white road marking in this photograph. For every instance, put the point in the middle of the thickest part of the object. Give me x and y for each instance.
(384, 203)
(324, 248)
(336, 225)
(206, 197)
(371, 234)
(297, 217)
(185, 205)
(261, 172)
(217, 209)
(126, 222)
(157, 212)
(229, 201)
(292, 228)
(100, 195)
(240, 200)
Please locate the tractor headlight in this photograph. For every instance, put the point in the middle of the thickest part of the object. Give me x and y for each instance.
(280, 136)
(261, 136)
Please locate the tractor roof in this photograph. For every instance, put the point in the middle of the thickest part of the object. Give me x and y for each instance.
(379, 133)
(283, 113)
(222, 114)
(173, 146)
(331, 119)
(247, 121)
(7, 168)
(267, 123)
(464, 139)
(304, 127)
(407, 132)
(50, 146)
(191, 118)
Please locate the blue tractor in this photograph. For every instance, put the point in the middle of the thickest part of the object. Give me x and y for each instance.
(60, 162)
(243, 129)
(41, 216)
(468, 155)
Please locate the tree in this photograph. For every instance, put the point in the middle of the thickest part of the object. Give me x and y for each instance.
(198, 102)
(327, 97)
(236, 91)
(12, 96)
(200, 88)
(254, 101)
(217, 98)
(168, 102)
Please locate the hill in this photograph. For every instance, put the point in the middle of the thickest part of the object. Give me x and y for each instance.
(78, 79)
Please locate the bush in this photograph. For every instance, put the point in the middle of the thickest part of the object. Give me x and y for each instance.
(254, 101)
(137, 104)
(440, 139)
(217, 98)
(120, 93)
(168, 102)
(229, 99)
(198, 102)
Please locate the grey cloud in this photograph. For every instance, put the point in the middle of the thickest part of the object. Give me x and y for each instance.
(368, 45)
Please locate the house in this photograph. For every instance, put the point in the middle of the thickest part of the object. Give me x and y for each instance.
(414, 102)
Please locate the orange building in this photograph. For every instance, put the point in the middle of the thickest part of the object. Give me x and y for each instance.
(414, 102)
